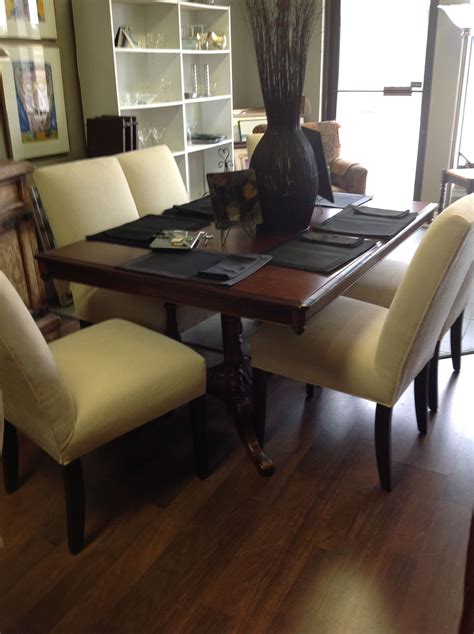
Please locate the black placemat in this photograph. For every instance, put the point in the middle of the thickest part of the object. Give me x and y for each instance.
(371, 226)
(202, 266)
(342, 199)
(317, 257)
(199, 208)
(141, 232)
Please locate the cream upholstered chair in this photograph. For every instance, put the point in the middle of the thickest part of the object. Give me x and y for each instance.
(154, 179)
(379, 286)
(82, 391)
(371, 351)
(88, 196)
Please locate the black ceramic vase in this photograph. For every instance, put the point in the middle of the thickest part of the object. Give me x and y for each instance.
(287, 179)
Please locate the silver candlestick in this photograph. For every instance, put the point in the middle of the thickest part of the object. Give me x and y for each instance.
(194, 80)
(207, 81)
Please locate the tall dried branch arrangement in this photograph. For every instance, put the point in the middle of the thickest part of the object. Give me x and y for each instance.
(281, 31)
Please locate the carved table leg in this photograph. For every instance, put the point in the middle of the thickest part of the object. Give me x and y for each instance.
(231, 381)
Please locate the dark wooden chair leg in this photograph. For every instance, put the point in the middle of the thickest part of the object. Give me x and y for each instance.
(421, 399)
(75, 505)
(10, 458)
(309, 390)
(172, 329)
(456, 338)
(259, 390)
(433, 380)
(383, 445)
(197, 410)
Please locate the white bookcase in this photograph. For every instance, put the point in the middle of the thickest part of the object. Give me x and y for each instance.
(151, 83)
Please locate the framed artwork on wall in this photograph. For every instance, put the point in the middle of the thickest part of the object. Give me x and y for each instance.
(34, 102)
(27, 19)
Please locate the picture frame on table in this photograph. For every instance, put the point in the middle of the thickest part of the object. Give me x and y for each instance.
(33, 102)
(28, 19)
(234, 198)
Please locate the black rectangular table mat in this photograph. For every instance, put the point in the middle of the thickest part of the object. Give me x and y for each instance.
(199, 208)
(342, 199)
(201, 266)
(141, 232)
(316, 257)
(370, 226)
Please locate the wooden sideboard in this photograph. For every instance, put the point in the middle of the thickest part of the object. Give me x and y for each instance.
(18, 244)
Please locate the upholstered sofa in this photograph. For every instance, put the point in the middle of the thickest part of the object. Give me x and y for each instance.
(346, 175)
(84, 197)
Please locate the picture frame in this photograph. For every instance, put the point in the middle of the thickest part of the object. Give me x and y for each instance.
(33, 102)
(246, 126)
(28, 19)
(234, 198)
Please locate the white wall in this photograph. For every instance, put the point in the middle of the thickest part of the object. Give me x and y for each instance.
(246, 86)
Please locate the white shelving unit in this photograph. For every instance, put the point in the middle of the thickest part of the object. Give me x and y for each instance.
(151, 83)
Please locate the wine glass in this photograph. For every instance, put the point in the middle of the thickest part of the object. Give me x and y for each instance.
(190, 128)
(157, 133)
(143, 135)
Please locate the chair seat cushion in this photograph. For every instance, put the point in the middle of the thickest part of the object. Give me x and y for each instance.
(94, 305)
(121, 376)
(337, 350)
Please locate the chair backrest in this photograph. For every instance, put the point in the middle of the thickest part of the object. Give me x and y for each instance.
(35, 399)
(84, 197)
(154, 179)
(426, 295)
(252, 142)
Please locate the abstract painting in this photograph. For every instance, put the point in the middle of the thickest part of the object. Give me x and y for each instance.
(34, 102)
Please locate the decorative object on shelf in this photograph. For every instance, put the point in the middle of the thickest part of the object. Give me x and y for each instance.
(154, 40)
(34, 102)
(190, 127)
(207, 81)
(283, 160)
(216, 41)
(125, 38)
(194, 81)
(28, 19)
(204, 137)
(235, 201)
(225, 162)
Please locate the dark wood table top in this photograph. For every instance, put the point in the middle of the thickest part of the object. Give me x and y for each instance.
(276, 294)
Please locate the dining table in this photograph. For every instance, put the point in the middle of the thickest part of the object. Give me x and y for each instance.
(276, 294)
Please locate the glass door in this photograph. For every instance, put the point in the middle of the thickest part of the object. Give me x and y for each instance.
(380, 88)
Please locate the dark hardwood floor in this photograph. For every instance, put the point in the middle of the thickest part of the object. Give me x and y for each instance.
(318, 548)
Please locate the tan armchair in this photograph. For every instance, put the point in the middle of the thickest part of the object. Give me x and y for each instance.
(371, 351)
(346, 175)
(82, 391)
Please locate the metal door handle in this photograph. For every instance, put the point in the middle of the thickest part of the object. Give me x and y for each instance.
(400, 91)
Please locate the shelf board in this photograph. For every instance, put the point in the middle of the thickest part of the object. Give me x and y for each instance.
(203, 99)
(150, 106)
(178, 153)
(191, 51)
(153, 51)
(199, 147)
(198, 6)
